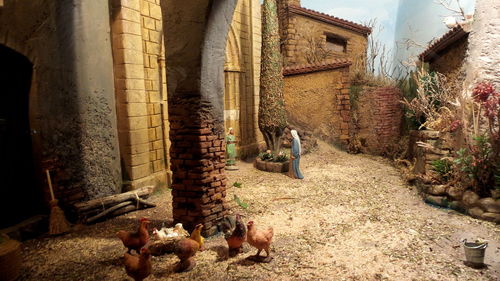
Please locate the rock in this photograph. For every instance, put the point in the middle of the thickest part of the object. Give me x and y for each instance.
(470, 198)
(457, 206)
(437, 189)
(489, 205)
(493, 217)
(455, 192)
(436, 200)
(495, 194)
(476, 212)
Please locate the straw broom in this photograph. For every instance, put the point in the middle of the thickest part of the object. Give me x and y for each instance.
(57, 223)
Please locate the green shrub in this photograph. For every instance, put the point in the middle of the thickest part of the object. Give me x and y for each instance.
(443, 167)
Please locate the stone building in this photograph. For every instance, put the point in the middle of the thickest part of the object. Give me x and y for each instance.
(447, 55)
(311, 37)
(320, 52)
(110, 96)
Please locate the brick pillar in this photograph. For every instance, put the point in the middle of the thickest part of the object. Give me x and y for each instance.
(344, 105)
(197, 161)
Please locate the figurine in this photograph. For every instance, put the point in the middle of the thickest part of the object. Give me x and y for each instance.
(186, 249)
(295, 156)
(231, 150)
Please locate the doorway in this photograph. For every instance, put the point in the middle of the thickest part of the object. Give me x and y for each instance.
(20, 192)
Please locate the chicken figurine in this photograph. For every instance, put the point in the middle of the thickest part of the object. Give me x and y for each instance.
(138, 267)
(238, 236)
(196, 236)
(137, 239)
(186, 249)
(165, 233)
(260, 239)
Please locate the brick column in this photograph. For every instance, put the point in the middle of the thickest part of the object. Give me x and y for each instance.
(344, 106)
(197, 161)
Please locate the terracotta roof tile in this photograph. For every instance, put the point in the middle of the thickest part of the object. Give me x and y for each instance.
(308, 68)
(330, 19)
(442, 43)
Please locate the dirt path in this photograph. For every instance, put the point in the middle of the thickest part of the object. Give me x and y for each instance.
(351, 218)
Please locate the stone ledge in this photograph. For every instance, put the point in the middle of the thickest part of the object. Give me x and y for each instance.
(273, 167)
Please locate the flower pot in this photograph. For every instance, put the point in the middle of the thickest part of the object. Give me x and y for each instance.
(10, 259)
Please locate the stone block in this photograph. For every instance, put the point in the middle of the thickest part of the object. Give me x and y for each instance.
(455, 192)
(493, 217)
(155, 120)
(129, 27)
(437, 189)
(475, 212)
(152, 48)
(148, 23)
(136, 122)
(141, 171)
(129, 84)
(155, 11)
(130, 68)
(128, 14)
(127, 41)
(136, 109)
(138, 159)
(144, 6)
(489, 205)
(132, 96)
(470, 198)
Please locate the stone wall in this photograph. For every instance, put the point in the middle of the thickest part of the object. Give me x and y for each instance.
(319, 101)
(242, 76)
(141, 92)
(449, 62)
(377, 118)
(298, 30)
(483, 55)
(72, 108)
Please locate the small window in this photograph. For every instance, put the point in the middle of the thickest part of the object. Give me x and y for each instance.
(336, 44)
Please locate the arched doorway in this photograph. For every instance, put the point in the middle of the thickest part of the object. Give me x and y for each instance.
(20, 192)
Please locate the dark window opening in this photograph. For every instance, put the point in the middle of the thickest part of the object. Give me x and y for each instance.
(336, 44)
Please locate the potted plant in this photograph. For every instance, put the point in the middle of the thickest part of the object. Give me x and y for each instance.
(10, 258)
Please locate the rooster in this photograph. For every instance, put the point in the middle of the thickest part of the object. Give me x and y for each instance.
(260, 239)
(186, 249)
(238, 236)
(135, 240)
(138, 267)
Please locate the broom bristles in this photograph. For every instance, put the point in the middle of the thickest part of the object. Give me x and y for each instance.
(57, 223)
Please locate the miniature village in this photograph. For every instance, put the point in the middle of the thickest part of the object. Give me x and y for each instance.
(249, 140)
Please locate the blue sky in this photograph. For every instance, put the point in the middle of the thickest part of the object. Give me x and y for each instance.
(420, 20)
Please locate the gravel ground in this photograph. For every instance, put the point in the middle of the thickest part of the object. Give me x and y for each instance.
(351, 218)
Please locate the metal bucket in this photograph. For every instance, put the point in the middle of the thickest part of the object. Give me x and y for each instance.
(474, 252)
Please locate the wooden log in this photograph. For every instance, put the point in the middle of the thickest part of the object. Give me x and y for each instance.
(110, 210)
(106, 202)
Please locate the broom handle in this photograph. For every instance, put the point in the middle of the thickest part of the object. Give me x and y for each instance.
(50, 184)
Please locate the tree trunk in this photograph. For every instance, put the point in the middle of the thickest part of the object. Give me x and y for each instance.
(272, 116)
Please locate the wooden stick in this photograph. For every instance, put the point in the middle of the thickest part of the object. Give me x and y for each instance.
(50, 184)
(113, 199)
(102, 214)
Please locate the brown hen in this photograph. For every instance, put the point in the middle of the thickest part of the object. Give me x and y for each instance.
(137, 239)
(260, 239)
(138, 267)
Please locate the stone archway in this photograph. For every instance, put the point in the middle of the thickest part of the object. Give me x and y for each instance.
(195, 35)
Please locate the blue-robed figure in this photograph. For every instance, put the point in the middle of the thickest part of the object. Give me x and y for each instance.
(295, 157)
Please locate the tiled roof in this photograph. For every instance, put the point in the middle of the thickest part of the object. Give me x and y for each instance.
(308, 68)
(330, 19)
(442, 43)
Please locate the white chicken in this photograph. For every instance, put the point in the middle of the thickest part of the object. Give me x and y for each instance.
(165, 233)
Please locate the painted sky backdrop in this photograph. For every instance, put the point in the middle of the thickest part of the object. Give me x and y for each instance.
(421, 20)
